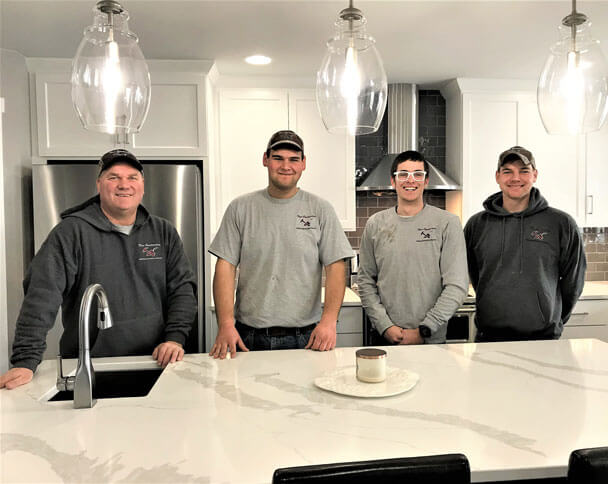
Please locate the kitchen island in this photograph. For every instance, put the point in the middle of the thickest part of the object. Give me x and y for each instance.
(516, 410)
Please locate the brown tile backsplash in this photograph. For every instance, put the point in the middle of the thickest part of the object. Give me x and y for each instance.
(368, 203)
(596, 250)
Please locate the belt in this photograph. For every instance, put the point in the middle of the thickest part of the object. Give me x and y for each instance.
(276, 331)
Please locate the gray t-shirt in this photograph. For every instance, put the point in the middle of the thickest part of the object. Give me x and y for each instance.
(413, 270)
(280, 247)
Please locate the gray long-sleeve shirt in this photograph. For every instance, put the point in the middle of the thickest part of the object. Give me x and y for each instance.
(413, 270)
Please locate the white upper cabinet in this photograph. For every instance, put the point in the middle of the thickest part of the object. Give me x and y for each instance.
(176, 124)
(484, 118)
(247, 117)
(596, 200)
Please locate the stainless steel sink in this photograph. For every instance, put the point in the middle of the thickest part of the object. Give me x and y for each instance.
(118, 384)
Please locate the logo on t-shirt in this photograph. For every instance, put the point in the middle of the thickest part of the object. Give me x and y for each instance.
(149, 252)
(426, 234)
(307, 222)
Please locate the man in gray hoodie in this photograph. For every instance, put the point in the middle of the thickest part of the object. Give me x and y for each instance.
(526, 259)
(139, 260)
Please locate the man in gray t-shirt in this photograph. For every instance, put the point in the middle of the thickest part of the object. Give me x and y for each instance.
(413, 266)
(280, 238)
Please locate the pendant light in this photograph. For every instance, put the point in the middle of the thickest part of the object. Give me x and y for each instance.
(110, 77)
(572, 90)
(351, 83)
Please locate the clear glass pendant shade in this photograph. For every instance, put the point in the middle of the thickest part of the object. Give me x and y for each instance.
(351, 83)
(573, 86)
(110, 78)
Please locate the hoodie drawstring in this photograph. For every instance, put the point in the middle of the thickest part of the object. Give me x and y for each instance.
(521, 243)
(502, 242)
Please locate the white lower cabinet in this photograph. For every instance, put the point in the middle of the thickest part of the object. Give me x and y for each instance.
(247, 117)
(350, 326)
(589, 319)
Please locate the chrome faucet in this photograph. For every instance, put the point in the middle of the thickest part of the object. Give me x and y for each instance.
(83, 383)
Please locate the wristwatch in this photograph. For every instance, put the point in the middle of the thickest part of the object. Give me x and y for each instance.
(424, 331)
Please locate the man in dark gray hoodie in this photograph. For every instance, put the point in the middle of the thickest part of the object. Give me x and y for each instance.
(139, 260)
(526, 259)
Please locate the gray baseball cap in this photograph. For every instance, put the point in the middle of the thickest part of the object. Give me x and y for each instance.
(516, 153)
(119, 156)
(285, 137)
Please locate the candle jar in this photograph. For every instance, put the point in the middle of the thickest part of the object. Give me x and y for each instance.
(371, 365)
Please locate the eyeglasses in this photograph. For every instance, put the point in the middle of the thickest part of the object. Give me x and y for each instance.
(417, 175)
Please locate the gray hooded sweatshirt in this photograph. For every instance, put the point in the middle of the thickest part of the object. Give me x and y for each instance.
(527, 268)
(146, 275)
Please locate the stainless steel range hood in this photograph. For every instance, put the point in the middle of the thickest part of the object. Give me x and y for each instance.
(402, 135)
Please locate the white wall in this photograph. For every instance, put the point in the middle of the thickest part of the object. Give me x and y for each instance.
(3, 328)
(17, 173)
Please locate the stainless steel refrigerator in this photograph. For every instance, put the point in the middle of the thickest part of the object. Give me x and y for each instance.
(172, 191)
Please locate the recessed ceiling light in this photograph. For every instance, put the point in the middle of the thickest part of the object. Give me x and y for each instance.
(258, 60)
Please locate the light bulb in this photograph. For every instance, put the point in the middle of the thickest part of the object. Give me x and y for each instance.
(112, 84)
(350, 86)
(573, 89)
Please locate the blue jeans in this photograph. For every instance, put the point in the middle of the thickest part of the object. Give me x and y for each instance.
(257, 340)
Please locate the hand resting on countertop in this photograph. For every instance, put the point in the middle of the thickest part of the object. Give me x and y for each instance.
(16, 377)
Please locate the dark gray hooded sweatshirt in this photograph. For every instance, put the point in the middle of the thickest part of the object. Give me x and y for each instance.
(146, 276)
(527, 268)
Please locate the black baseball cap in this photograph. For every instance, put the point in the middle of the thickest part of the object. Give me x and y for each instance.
(119, 156)
(516, 153)
(285, 137)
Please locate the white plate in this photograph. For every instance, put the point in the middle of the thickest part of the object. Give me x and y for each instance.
(344, 381)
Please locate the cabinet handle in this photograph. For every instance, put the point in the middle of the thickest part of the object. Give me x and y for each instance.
(589, 204)
(580, 314)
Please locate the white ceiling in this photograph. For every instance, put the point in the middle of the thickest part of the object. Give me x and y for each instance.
(426, 42)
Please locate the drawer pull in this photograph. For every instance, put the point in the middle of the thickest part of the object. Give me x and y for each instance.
(580, 314)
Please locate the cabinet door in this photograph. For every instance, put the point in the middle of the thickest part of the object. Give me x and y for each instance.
(597, 173)
(561, 170)
(247, 119)
(176, 121)
(330, 158)
(59, 130)
(490, 126)
(175, 125)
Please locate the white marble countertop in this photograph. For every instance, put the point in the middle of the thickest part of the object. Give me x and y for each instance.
(516, 410)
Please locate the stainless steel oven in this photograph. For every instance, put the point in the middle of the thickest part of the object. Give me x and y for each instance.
(461, 326)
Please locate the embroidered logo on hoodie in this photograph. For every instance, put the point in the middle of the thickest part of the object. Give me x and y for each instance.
(149, 252)
(538, 235)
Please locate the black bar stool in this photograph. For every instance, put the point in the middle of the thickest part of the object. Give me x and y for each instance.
(588, 466)
(433, 469)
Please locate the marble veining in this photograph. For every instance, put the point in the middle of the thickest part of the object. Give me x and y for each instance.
(545, 364)
(79, 468)
(486, 360)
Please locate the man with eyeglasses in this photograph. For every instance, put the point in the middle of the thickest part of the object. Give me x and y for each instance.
(413, 270)
(280, 238)
(526, 259)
